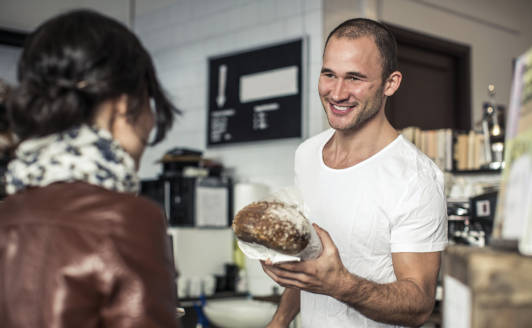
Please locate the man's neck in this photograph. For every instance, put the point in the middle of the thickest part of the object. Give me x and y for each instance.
(348, 148)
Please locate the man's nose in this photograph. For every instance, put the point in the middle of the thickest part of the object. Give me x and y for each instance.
(339, 91)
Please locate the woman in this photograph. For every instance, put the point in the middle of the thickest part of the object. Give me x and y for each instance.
(78, 247)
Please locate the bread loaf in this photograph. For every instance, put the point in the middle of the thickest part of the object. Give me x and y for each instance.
(276, 225)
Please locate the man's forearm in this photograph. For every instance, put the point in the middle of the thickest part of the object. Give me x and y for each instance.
(288, 308)
(401, 302)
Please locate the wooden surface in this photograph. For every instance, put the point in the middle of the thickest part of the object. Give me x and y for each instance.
(500, 283)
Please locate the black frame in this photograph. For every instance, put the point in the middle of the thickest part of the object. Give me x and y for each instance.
(12, 38)
(261, 58)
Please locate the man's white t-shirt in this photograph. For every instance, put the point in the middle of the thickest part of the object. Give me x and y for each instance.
(393, 201)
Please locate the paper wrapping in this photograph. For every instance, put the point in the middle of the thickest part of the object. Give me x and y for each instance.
(291, 197)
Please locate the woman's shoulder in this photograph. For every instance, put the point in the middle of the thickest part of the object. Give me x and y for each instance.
(85, 206)
(127, 212)
(123, 217)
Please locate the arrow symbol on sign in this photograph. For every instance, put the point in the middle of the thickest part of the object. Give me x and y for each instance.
(222, 77)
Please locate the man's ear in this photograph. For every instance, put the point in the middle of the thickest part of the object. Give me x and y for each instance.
(392, 83)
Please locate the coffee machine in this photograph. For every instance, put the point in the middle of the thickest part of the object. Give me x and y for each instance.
(470, 222)
(193, 191)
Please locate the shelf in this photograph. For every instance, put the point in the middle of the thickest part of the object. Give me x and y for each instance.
(185, 301)
(479, 171)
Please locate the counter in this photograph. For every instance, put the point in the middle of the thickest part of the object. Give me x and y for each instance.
(486, 287)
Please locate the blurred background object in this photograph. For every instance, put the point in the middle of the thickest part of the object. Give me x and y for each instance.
(6, 137)
(493, 130)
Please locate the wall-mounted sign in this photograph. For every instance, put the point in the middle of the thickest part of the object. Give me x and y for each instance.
(256, 95)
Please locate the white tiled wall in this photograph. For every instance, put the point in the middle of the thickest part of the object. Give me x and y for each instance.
(182, 36)
(8, 63)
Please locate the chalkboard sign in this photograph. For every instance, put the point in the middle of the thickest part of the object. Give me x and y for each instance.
(256, 95)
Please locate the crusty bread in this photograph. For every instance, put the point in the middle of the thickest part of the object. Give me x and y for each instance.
(276, 225)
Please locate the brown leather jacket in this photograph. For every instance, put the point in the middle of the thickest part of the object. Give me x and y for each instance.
(76, 255)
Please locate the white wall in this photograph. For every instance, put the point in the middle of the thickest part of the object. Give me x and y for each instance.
(25, 15)
(183, 35)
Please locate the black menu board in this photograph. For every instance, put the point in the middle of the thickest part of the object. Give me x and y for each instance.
(256, 95)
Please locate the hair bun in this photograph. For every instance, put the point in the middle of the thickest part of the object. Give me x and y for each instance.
(75, 61)
(54, 91)
(41, 109)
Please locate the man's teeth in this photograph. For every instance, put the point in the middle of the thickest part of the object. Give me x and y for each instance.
(341, 108)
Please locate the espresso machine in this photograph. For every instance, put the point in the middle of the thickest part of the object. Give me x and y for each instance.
(470, 222)
(194, 191)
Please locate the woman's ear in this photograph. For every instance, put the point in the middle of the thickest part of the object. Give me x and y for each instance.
(119, 118)
(120, 105)
(392, 83)
(108, 112)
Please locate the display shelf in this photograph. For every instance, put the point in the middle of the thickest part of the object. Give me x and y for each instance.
(187, 301)
(478, 171)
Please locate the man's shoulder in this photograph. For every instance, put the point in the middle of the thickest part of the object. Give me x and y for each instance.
(315, 142)
(402, 166)
(410, 159)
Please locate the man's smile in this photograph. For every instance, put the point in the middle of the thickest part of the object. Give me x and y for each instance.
(339, 109)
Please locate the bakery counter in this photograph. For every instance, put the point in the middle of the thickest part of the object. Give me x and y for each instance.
(486, 287)
(194, 316)
(188, 301)
(228, 309)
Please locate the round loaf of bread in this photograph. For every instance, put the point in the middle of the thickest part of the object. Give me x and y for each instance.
(275, 225)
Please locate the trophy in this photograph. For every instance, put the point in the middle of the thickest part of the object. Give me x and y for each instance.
(493, 131)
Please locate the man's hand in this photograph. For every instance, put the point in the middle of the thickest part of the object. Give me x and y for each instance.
(407, 301)
(323, 275)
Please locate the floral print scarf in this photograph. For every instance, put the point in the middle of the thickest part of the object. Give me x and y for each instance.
(82, 153)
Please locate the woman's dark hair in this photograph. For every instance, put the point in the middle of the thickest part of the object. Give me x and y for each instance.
(383, 37)
(4, 124)
(74, 62)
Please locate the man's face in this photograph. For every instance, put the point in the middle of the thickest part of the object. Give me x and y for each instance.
(350, 85)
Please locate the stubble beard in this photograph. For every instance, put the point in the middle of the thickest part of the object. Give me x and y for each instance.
(365, 115)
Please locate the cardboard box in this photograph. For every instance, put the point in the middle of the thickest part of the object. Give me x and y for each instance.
(485, 287)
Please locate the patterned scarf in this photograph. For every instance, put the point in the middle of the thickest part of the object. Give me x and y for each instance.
(82, 153)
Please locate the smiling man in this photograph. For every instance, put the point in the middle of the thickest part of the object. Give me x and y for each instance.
(377, 202)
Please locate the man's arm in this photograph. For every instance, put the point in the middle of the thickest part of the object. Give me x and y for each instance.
(287, 310)
(408, 301)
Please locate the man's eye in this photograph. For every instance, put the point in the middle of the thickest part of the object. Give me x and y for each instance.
(353, 78)
(329, 75)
